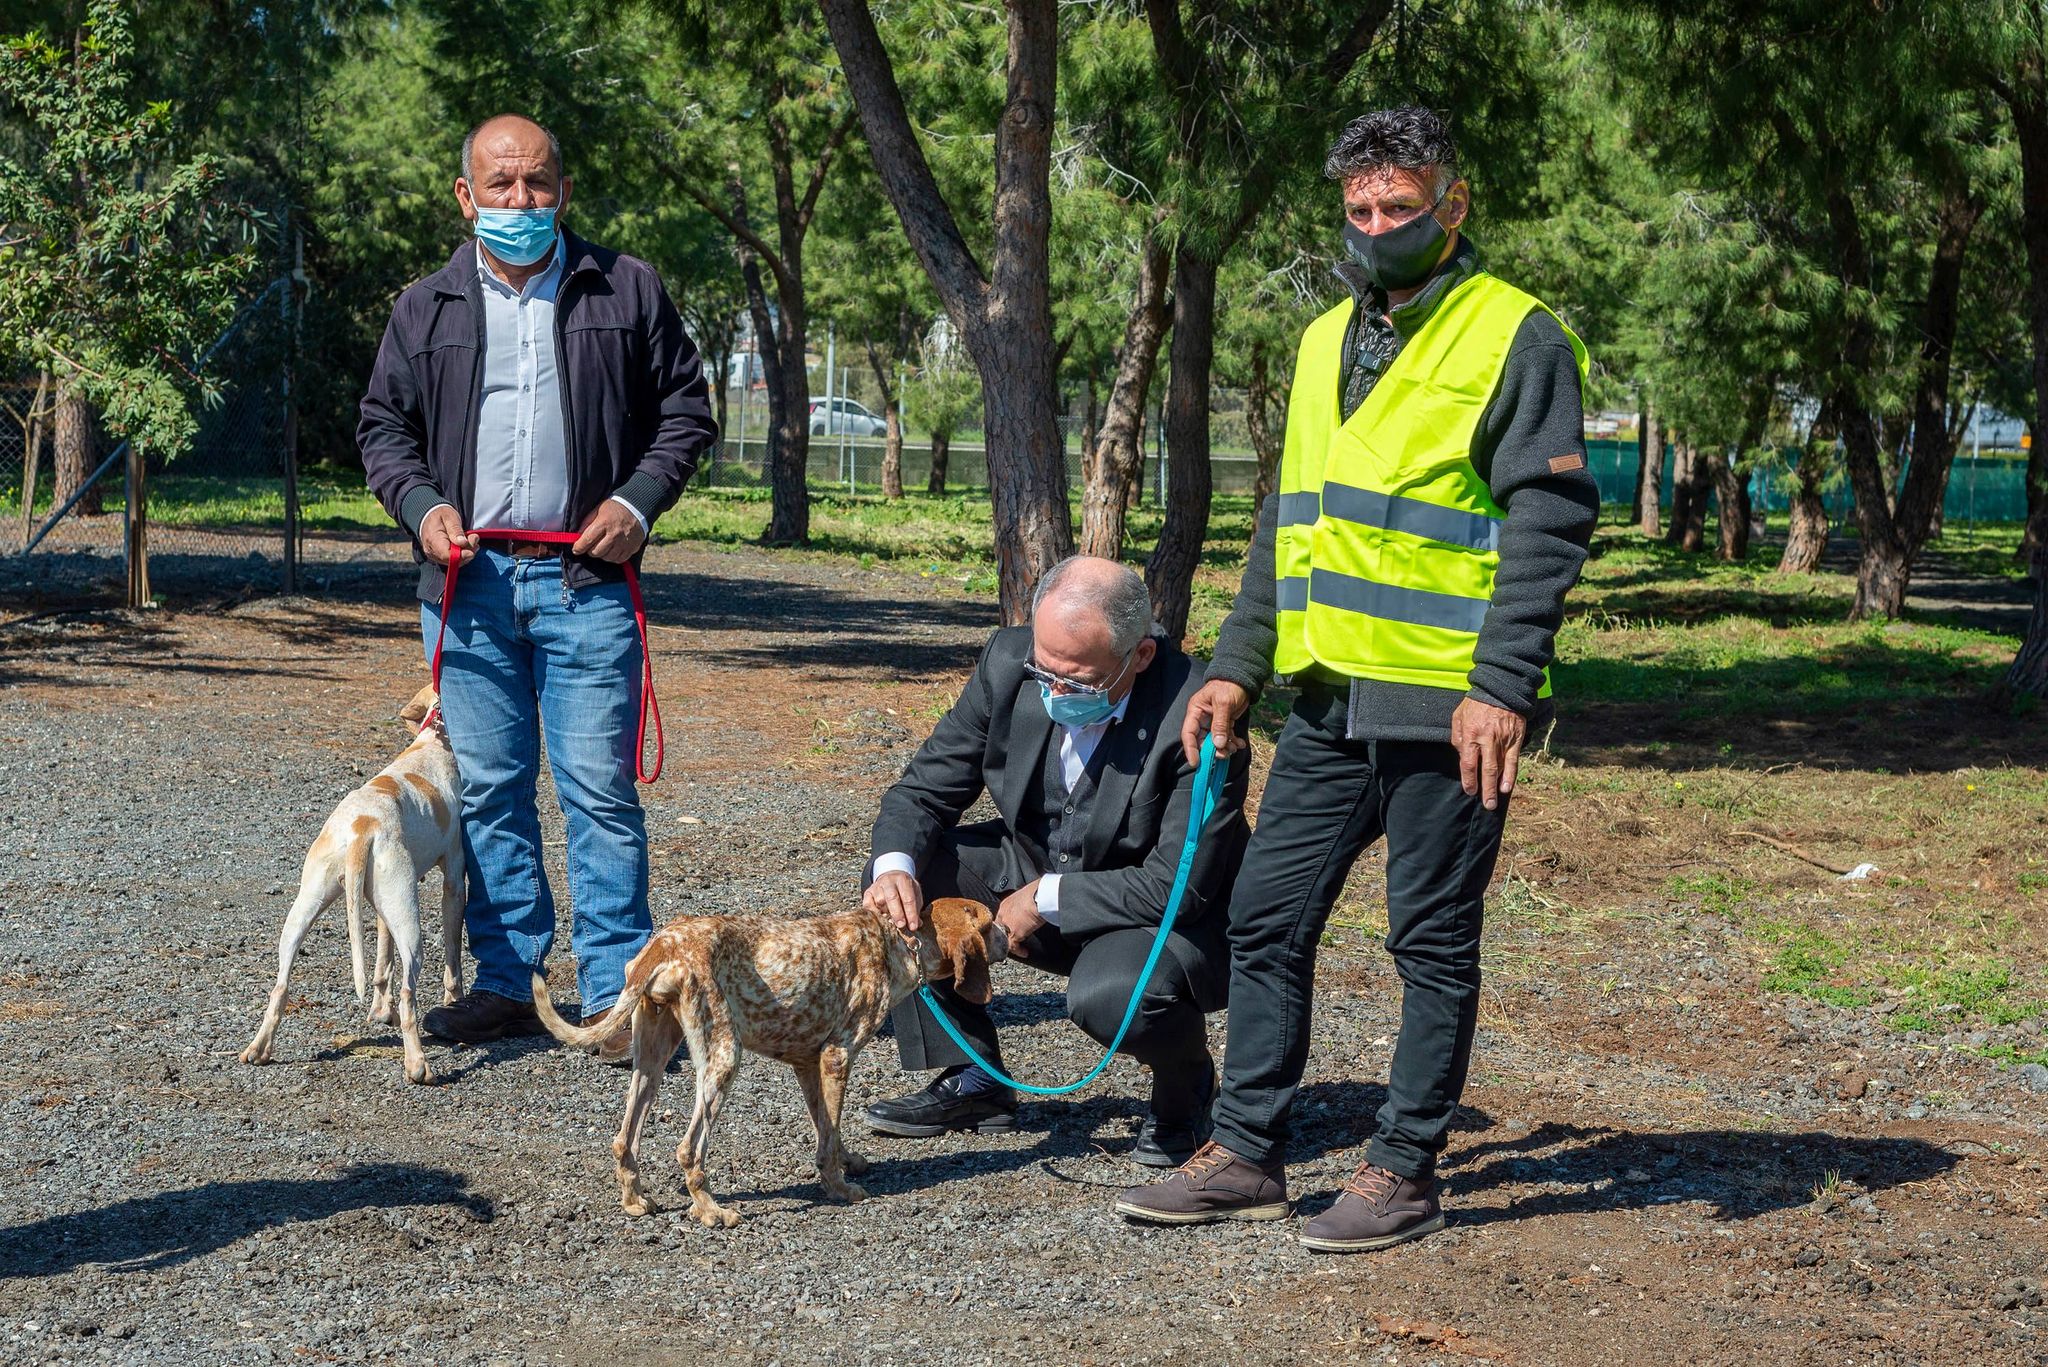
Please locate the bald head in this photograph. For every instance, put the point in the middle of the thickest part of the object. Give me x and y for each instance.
(1084, 587)
(511, 135)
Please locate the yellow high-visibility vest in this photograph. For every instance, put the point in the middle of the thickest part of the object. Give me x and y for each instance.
(1389, 539)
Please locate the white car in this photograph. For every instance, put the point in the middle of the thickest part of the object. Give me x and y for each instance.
(846, 416)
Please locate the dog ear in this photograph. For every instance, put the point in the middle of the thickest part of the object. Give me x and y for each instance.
(959, 926)
(415, 712)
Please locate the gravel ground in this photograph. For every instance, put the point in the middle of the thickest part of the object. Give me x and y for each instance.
(1651, 1156)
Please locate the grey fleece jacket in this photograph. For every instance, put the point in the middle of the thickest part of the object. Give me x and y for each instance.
(1527, 437)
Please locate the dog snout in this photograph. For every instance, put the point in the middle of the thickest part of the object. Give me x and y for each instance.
(998, 942)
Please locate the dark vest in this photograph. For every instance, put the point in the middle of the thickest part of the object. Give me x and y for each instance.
(1060, 826)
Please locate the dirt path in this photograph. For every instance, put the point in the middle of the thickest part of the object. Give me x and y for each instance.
(1653, 1163)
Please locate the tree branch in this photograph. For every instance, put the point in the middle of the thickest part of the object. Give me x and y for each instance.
(900, 163)
(809, 205)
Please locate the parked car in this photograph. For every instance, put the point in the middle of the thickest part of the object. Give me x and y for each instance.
(848, 417)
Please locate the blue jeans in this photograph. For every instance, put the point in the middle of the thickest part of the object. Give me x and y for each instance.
(527, 657)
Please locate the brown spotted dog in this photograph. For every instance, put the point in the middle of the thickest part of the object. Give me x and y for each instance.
(808, 992)
(383, 838)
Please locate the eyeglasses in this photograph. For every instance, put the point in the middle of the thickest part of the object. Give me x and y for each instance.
(1075, 687)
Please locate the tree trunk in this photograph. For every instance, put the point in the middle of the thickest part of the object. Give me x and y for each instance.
(1117, 462)
(1688, 530)
(1894, 528)
(1649, 467)
(942, 454)
(1170, 573)
(1731, 494)
(1807, 540)
(767, 354)
(32, 425)
(892, 419)
(75, 451)
(2027, 96)
(1005, 316)
(1265, 416)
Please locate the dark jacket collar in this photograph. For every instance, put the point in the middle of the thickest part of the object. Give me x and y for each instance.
(458, 277)
(1461, 265)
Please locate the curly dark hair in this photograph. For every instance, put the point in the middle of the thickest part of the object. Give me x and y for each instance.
(1409, 136)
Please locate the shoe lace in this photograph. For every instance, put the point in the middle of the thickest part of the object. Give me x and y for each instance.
(1370, 1184)
(1207, 1159)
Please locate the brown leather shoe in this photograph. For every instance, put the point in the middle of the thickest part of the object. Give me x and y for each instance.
(616, 1052)
(1213, 1185)
(1376, 1209)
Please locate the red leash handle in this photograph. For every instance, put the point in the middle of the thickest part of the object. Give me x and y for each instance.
(648, 702)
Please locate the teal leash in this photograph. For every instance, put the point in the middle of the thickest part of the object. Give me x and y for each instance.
(1209, 777)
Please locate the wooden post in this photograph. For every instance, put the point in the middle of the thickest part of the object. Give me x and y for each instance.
(31, 457)
(293, 309)
(136, 521)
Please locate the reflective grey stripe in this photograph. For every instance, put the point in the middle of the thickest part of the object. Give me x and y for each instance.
(1430, 521)
(1291, 594)
(1298, 510)
(1394, 604)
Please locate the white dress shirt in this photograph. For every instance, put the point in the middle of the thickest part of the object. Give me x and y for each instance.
(1077, 747)
(522, 454)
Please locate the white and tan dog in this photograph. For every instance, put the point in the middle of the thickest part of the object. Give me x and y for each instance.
(381, 841)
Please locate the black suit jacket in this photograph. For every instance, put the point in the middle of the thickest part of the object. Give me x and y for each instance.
(994, 739)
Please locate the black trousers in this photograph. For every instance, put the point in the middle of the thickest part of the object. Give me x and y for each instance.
(1327, 800)
(1167, 1034)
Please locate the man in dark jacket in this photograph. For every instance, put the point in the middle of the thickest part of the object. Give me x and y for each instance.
(1072, 726)
(1434, 509)
(536, 383)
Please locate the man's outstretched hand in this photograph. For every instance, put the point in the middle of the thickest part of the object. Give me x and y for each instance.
(1214, 711)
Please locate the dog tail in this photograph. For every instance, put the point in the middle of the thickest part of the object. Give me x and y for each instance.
(586, 1036)
(354, 865)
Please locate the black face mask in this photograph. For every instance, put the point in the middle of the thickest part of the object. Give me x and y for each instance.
(1399, 258)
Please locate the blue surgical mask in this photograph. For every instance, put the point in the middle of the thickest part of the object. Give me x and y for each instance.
(1081, 707)
(1075, 709)
(517, 237)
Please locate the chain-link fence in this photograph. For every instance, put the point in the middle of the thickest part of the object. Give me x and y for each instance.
(1980, 488)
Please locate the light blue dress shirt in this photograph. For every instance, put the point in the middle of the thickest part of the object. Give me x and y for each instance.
(522, 455)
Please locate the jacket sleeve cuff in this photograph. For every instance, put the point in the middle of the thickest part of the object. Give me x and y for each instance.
(417, 503)
(1232, 673)
(644, 494)
(1489, 690)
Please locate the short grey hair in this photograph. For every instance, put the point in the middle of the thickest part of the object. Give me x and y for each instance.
(1410, 137)
(1123, 601)
(469, 143)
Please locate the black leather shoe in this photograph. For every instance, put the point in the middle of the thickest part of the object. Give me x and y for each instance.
(482, 1017)
(1169, 1140)
(940, 1107)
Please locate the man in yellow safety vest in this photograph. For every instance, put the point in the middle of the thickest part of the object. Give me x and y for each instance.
(1433, 510)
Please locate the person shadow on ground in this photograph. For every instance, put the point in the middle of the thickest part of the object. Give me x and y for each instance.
(147, 1233)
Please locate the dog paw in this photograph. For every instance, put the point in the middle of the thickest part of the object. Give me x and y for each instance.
(422, 1075)
(850, 1192)
(636, 1204)
(380, 1013)
(254, 1055)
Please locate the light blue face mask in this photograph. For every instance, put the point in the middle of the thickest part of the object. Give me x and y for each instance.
(517, 237)
(1081, 709)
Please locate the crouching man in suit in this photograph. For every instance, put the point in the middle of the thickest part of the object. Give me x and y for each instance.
(1072, 727)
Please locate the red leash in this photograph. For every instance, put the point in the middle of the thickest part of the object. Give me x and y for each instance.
(647, 699)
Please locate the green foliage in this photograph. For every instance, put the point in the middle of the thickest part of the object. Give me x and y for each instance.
(119, 261)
